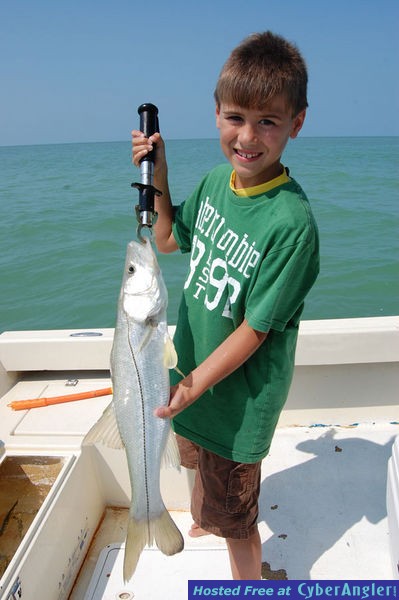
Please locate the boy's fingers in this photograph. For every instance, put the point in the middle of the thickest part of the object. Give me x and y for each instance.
(137, 135)
(140, 147)
(168, 412)
(163, 412)
(155, 137)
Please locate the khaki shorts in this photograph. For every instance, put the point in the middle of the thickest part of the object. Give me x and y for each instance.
(225, 496)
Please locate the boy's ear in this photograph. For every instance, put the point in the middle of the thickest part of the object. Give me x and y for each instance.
(217, 116)
(297, 123)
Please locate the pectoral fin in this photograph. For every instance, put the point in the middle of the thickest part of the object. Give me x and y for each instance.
(105, 430)
(169, 353)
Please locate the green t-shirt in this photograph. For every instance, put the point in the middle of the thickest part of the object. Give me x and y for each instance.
(253, 257)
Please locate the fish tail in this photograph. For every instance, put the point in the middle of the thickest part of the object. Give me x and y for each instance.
(137, 538)
(167, 535)
(163, 530)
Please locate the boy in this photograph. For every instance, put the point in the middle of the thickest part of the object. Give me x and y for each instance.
(254, 257)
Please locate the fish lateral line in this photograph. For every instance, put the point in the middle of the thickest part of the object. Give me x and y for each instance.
(143, 420)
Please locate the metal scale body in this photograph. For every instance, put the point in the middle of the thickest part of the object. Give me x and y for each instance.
(145, 211)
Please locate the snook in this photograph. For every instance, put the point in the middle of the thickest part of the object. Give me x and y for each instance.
(141, 354)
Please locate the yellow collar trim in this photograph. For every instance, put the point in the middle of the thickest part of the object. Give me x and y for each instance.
(259, 189)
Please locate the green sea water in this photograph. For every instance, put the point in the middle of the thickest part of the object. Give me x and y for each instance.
(67, 213)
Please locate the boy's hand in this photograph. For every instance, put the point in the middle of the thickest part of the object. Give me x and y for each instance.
(180, 398)
(141, 146)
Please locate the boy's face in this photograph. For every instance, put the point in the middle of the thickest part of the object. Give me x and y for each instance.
(253, 140)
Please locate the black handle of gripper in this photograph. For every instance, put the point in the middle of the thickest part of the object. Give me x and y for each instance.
(149, 124)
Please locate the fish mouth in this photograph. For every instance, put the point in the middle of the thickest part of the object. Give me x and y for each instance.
(247, 155)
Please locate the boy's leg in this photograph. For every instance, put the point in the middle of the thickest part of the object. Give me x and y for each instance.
(245, 557)
(189, 459)
(225, 502)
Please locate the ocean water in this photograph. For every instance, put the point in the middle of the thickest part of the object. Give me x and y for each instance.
(67, 213)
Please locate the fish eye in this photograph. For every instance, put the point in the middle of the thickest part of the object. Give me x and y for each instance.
(131, 269)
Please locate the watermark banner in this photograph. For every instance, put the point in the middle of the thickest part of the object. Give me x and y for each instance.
(294, 589)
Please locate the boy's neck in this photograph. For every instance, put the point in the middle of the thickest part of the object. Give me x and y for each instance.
(261, 188)
(275, 171)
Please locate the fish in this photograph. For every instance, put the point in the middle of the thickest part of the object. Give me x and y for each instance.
(141, 355)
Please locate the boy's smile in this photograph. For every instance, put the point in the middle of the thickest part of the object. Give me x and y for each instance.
(253, 140)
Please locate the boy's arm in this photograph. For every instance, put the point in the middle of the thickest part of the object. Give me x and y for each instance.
(164, 238)
(225, 359)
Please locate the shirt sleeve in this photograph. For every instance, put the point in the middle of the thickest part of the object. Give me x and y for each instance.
(184, 219)
(181, 227)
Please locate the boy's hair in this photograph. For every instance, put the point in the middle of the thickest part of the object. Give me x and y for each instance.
(263, 66)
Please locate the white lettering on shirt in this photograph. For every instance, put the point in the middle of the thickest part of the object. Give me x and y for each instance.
(210, 276)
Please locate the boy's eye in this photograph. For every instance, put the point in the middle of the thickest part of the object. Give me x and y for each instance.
(267, 122)
(234, 118)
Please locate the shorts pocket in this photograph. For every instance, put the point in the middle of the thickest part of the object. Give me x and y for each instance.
(242, 488)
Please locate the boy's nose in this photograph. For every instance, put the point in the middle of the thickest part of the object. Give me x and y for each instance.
(248, 133)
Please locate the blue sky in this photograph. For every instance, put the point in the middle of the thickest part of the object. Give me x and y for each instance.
(76, 70)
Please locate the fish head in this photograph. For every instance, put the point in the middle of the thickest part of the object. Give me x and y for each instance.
(143, 292)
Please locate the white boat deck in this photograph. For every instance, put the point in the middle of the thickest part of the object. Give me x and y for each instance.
(323, 516)
(323, 504)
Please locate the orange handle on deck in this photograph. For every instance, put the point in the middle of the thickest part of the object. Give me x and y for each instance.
(37, 402)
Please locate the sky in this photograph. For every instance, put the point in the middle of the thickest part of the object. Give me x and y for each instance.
(76, 70)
